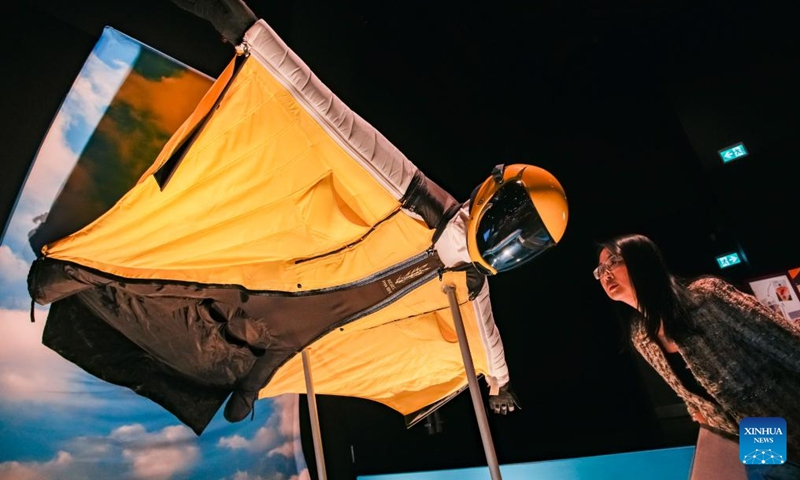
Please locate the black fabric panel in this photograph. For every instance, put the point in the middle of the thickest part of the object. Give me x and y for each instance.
(429, 201)
(168, 340)
(475, 281)
(77, 334)
(49, 281)
(187, 333)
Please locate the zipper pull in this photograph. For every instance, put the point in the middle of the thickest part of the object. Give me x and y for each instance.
(243, 49)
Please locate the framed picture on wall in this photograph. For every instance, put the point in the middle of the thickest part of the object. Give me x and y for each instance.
(779, 293)
(794, 276)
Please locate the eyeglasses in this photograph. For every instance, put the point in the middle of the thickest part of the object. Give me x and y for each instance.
(612, 262)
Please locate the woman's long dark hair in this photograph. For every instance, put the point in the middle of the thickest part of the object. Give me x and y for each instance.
(661, 296)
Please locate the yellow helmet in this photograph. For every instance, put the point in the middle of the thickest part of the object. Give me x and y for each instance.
(516, 214)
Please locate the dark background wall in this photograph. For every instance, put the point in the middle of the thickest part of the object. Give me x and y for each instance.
(626, 103)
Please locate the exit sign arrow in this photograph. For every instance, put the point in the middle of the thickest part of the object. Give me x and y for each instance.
(733, 152)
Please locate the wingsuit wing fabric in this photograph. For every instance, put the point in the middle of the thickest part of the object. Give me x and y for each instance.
(276, 219)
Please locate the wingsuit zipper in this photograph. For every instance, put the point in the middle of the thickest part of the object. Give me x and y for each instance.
(433, 273)
(383, 273)
(336, 135)
(351, 244)
(164, 173)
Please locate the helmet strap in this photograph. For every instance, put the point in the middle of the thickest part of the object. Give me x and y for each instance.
(497, 173)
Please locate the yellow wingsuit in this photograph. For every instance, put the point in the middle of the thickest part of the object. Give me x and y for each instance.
(274, 220)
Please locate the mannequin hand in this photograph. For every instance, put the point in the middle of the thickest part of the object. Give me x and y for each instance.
(231, 18)
(505, 401)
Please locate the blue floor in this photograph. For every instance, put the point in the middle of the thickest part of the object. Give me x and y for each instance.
(663, 464)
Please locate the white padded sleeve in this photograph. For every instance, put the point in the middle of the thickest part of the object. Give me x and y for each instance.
(452, 249)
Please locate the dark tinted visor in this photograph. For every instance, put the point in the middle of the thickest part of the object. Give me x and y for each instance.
(511, 231)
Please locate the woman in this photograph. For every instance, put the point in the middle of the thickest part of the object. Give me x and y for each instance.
(724, 353)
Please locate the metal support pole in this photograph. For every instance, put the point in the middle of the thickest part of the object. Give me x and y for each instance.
(474, 388)
(312, 410)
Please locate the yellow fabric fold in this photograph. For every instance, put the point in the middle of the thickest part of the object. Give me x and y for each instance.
(261, 186)
(397, 356)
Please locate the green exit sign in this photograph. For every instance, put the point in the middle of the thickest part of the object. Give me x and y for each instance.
(729, 260)
(733, 152)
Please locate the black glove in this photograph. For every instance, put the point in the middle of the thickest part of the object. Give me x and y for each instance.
(231, 18)
(505, 401)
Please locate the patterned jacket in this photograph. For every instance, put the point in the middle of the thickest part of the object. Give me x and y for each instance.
(745, 356)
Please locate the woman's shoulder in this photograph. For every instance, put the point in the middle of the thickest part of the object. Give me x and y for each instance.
(708, 283)
(710, 286)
